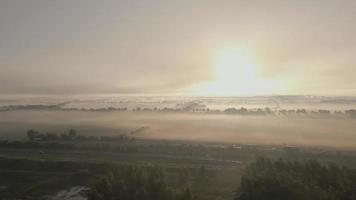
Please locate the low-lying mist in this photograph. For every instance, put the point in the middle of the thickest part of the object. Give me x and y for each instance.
(185, 126)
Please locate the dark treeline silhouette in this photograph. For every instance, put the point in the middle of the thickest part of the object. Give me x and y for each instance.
(192, 108)
(245, 111)
(351, 113)
(55, 107)
(34, 135)
(279, 180)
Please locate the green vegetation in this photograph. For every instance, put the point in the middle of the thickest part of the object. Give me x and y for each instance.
(274, 180)
(136, 184)
(174, 170)
(36, 179)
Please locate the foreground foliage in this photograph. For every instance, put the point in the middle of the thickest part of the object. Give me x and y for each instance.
(280, 180)
(133, 183)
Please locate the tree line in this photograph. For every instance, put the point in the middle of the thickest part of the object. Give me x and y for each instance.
(34, 135)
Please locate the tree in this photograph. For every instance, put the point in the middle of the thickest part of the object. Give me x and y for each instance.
(102, 190)
(32, 134)
(72, 134)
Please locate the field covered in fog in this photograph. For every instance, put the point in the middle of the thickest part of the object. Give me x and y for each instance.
(236, 129)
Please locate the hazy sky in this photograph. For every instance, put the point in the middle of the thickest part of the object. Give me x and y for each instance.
(113, 46)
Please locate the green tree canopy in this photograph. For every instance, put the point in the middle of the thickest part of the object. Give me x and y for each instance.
(280, 180)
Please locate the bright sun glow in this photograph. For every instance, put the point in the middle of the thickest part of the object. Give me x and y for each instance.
(235, 65)
(236, 73)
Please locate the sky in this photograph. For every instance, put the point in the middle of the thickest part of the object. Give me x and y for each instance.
(209, 47)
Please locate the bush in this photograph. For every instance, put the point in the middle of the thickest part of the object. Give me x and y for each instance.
(279, 180)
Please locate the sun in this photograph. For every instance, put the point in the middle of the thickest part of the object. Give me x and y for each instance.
(234, 65)
(236, 72)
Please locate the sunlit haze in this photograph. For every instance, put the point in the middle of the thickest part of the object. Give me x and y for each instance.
(236, 72)
(185, 47)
